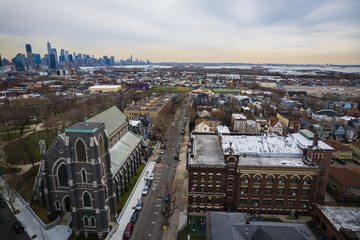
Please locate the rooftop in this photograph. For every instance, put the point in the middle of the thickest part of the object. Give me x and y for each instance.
(84, 127)
(337, 145)
(346, 176)
(305, 142)
(207, 150)
(223, 129)
(238, 116)
(343, 217)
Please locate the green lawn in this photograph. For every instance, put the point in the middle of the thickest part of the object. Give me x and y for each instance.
(8, 170)
(170, 89)
(120, 204)
(13, 135)
(16, 149)
(195, 232)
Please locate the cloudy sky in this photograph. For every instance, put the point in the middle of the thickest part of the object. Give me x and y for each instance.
(264, 31)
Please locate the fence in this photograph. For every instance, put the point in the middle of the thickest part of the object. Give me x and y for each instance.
(157, 144)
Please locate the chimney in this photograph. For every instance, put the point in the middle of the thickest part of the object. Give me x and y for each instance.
(316, 140)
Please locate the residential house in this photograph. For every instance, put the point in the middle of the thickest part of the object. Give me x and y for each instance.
(251, 127)
(323, 131)
(203, 113)
(284, 118)
(350, 133)
(341, 150)
(252, 109)
(202, 126)
(262, 125)
(344, 183)
(352, 112)
(238, 122)
(275, 126)
(339, 132)
(355, 146)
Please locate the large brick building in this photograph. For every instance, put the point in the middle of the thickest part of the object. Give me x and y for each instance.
(86, 169)
(264, 174)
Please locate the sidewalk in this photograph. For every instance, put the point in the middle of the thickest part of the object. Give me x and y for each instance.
(132, 201)
(33, 227)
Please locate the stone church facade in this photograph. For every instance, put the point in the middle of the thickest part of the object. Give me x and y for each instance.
(86, 169)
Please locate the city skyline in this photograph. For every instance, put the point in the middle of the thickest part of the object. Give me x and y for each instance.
(296, 32)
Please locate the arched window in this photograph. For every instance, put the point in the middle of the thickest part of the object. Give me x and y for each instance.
(57, 204)
(245, 178)
(103, 169)
(92, 220)
(62, 175)
(106, 193)
(86, 221)
(269, 179)
(282, 180)
(294, 179)
(307, 180)
(101, 146)
(257, 179)
(87, 200)
(83, 175)
(80, 151)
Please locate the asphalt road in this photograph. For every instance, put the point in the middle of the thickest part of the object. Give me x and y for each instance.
(150, 223)
(7, 219)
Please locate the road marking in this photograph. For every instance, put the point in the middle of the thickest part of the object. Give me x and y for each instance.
(153, 222)
(158, 205)
(156, 213)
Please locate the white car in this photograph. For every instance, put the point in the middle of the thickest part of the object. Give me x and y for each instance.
(145, 191)
(151, 176)
(139, 205)
(162, 151)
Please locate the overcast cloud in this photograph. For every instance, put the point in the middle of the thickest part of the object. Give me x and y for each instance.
(279, 31)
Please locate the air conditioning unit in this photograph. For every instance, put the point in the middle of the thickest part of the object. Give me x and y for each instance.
(304, 206)
(305, 183)
(256, 204)
(294, 194)
(280, 182)
(246, 181)
(242, 192)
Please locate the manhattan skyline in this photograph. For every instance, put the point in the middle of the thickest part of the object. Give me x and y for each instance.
(293, 32)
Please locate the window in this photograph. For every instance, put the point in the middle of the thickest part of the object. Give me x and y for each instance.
(303, 204)
(269, 179)
(210, 178)
(62, 175)
(217, 189)
(268, 191)
(292, 192)
(80, 151)
(209, 200)
(255, 203)
(291, 203)
(294, 180)
(87, 200)
(229, 193)
(245, 179)
(86, 221)
(218, 178)
(57, 204)
(210, 189)
(83, 175)
(202, 178)
(217, 200)
(92, 219)
(305, 192)
(282, 180)
(195, 177)
(243, 202)
(230, 182)
(347, 187)
(202, 189)
(279, 203)
(257, 179)
(256, 190)
(194, 200)
(307, 180)
(280, 191)
(105, 192)
(101, 146)
(201, 200)
(267, 202)
(243, 190)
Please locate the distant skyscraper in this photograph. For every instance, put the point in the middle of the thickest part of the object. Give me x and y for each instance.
(53, 52)
(49, 48)
(19, 61)
(130, 58)
(62, 55)
(52, 61)
(29, 58)
(37, 58)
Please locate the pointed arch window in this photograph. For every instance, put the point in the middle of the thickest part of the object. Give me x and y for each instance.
(87, 200)
(62, 175)
(92, 220)
(80, 151)
(83, 175)
(106, 193)
(86, 221)
(101, 146)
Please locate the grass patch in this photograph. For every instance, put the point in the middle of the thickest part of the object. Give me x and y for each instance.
(5, 170)
(41, 212)
(170, 90)
(120, 204)
(197, 234)
(28, 148)
(28, 180)
(13, 135)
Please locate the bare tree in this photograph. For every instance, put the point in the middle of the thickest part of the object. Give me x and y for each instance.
(161, 126)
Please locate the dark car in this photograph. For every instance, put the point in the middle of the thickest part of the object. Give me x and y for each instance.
(18, 227)
(2, 203)
(164, 147)
(158, 160)
(148, 183)
(182, 133)
(176, 157)
(128, 230)
(342, 162)
(134, 216)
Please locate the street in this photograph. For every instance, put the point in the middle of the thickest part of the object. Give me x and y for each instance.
(151, 221)
(7, 219)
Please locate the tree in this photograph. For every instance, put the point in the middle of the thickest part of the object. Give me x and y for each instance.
(161, 126)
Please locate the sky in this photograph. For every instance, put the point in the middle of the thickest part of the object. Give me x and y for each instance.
(255, 31)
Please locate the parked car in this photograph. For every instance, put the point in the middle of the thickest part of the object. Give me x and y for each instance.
(18, 227)
(356, 161)
(158, 160)
(164, 147)
(134, 216)
(145, 191)
(151, 176)
(148, 183)
(2, 203)
(342, 162)
(176, 157)
(182, 132)
(162, 151)
(139, 205)
(128, 230)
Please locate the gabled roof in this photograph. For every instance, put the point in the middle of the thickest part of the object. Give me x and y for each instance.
(273, 121)
(112, 117)
(336, 145)
(346, 176)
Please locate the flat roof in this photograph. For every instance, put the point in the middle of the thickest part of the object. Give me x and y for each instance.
(343, 217)
(207, 150)
(262, 146)
(304, 142)
(274, 161)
